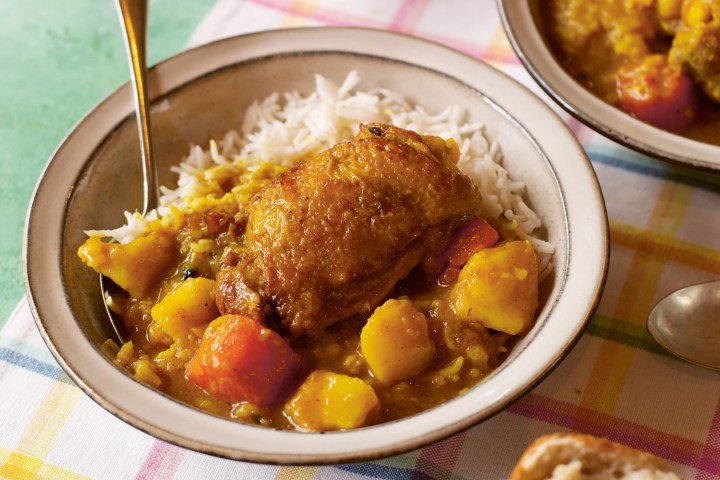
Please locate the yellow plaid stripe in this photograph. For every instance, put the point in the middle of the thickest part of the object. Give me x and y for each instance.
(665, 246)
(611, 366)
(296, 473)
(49, 419)
(16, 466)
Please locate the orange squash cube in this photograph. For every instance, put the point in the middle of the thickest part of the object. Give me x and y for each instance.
(240, 360)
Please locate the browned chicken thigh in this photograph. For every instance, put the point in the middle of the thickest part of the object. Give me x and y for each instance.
(331, 237)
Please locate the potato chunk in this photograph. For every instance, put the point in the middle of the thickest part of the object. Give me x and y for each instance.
(190, 305)
(240, 360)
(499, 288)
(135, 266)
(330, 401)
(395, 341)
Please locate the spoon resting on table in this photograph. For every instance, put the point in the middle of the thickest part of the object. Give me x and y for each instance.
(687, 324)
(133, 18)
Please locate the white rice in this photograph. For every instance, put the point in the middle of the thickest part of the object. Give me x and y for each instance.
(284, 128)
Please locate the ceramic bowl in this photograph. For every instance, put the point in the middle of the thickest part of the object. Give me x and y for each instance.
(527, 37)
(95, 175)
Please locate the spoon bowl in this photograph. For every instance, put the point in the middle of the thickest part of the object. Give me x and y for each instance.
(686, 323)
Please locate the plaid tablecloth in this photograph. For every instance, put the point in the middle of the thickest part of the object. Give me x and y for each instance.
(616, 383)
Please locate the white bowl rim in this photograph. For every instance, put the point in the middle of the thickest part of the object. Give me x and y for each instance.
(586, 231)
(607, 120)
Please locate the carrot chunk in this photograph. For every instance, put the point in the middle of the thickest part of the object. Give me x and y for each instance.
(658, 93)
(240, 360)
(471, 237)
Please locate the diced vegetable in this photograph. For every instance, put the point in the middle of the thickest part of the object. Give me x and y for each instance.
(126, 355)
(395, 341)
(669, 9)
(136, 266)
(330, 401)
(239, 360)
(190, 305)
(471, 237)
(499, 288)
(657, 93)
(697, 12)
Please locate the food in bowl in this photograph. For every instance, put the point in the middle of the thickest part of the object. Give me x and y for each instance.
(346, 260)
(658, 60)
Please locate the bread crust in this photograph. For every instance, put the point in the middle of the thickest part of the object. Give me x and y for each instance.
(597, 457)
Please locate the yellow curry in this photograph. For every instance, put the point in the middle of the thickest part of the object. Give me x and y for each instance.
(359, 286)
(658, 60)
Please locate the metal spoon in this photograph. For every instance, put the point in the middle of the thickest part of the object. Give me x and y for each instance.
(687, 324)
(133, 18)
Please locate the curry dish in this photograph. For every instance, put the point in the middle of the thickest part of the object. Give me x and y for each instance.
(658, 60)
(360, 286)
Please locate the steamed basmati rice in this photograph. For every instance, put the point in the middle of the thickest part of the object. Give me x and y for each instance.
(284, 128)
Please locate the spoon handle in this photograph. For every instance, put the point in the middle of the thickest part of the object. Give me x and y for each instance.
(134, 15)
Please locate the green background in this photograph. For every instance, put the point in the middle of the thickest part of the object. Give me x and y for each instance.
(58, 58)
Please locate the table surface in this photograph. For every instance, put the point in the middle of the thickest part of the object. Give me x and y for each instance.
(60, 57)
(63, 56)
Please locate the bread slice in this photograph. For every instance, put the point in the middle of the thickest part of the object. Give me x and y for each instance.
(574, 456)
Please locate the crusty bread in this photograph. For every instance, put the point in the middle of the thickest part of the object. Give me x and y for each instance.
(574, 456)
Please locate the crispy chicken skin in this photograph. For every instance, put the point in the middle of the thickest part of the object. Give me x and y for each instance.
(331, 237)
